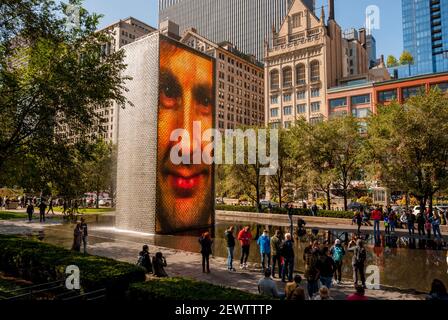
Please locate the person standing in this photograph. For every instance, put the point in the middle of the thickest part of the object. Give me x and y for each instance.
(288, 256)
(358, 220)
(50, 206)
(301, 231)
(77, 237)
(376, 217)
(230, 241)
(326, 268)
(392, 221)
(314, 210)
(421, 224)
(245, 237)
(411, 223)
(312, 273)
(265, 250)
(358, 261)
(338, 253)
(84, 234)
(42, 207)
(436, 226)
(290, 216)
(276, 253)
(30, 211)
(206, 250)
(144, 259)
(64, 207)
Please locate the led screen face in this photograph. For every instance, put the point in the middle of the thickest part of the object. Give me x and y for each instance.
(185, 194)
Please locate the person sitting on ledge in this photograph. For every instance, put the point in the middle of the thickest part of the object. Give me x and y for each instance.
(158, 264)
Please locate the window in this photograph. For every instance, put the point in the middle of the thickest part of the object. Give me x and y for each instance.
(315, 71)
(413, 91)
(287, 111)
(315, 107)
(275, 80)
(301, 108)
(300, 74)
(287, 77)
(316, 120)
(296, 20)
(387, 95)
(274, 99)
(274, 112)
(315, 93)
(364, 99)
(338, 103)
(287, 97)
(361, 113)
(301, 95)
(275, 125)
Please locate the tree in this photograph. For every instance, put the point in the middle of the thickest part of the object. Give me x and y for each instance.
(392, 61)
(311, 147)
(278, 183)
(51, 76)
(409, 145)
(406, 58)
(98, 170)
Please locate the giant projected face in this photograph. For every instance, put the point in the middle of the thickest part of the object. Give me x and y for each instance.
(184, 191)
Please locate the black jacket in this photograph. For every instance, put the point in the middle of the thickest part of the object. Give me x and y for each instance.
(230, 239)
(288, 249)
(206, 246)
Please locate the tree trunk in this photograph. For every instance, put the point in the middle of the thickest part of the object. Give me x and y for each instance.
(430, 204)
(422, 205)
(328, 199)
(345, 201)
(280, 193)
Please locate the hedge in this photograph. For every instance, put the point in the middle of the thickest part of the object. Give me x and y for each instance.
(186, 289)
(42, 263)
(295, 211)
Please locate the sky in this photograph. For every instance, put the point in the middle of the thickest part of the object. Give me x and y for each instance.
(349, 13)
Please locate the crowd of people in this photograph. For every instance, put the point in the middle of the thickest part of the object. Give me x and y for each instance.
(405, 219)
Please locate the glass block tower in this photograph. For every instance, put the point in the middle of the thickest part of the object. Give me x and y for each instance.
(245, 23)
(425, 35)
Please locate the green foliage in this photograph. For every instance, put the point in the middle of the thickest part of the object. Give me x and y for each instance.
(406, 58)
(392, 61)
(295, 211)
(408, 145)
(8, 215)
(51, 77)
(186, 289)
(41, 263)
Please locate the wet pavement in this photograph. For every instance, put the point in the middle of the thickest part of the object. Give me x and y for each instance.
(410, 268)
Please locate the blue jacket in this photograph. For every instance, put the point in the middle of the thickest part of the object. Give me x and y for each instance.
(265, 244)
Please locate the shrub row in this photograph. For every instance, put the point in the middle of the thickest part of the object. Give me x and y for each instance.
(296, 211)
(185, 289)
(41, 263)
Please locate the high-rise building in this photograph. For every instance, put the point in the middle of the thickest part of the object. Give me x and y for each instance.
(245, 23)
(425, 36)
(308, 55)
(122, 33)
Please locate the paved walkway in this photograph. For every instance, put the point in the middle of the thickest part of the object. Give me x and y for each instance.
(182, 263)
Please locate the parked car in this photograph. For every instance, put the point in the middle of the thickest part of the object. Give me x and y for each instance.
(105, 202)
(266, 203)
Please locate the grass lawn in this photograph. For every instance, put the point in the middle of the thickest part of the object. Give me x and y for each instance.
(8, 215)
(89, 210)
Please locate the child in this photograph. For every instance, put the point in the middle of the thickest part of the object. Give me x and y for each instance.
(386, 225)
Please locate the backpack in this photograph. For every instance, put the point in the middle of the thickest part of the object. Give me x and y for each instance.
(338, 254)
(361, 256)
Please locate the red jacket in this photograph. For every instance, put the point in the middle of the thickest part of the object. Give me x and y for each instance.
(245, 237)
(376, 215)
